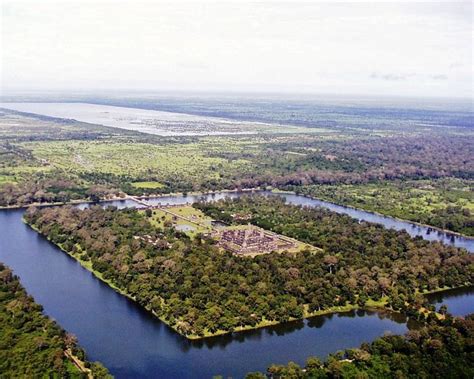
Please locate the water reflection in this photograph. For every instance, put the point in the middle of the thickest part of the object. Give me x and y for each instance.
(460, 301)
(134, 344)
(279, 330)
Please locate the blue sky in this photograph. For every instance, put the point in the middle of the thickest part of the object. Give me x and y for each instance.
(388, 48)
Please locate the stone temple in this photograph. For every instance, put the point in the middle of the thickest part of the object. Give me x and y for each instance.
(252, 240)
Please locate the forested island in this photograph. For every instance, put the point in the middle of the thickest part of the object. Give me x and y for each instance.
(201, 290)
(31, 344)
(440, 349)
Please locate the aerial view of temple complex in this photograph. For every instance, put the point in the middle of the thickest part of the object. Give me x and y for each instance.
(251, 240)
(238, 239)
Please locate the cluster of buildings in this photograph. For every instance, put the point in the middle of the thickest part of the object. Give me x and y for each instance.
(243, 240)
(251, 240)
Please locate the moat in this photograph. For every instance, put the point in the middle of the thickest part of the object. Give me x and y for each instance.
(132, 343)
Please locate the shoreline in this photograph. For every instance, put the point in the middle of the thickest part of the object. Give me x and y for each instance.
(446, 289)
(445, 231)
(249, 190)
(87, 266)
(72, 202)
(370, 305)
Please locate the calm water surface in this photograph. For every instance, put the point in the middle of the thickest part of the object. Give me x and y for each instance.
(460, 302)
(414, 230)
(133, 344)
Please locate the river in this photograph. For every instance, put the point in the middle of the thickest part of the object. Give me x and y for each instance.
(134, 344)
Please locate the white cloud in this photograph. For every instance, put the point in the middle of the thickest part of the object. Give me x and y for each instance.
(393, 48)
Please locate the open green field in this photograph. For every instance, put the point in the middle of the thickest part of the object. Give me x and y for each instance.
(148, 185)
(133, 159)
(4, 179)
(193, 221)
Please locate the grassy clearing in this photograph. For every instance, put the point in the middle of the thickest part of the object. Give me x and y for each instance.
(197, 221)
(148, 185)
(4, 179)
(133, 159)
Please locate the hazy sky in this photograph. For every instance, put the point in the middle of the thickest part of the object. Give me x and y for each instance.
(396, 48)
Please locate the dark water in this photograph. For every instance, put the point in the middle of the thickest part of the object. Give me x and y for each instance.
(460, 302)
(133, 344)
(414, 230)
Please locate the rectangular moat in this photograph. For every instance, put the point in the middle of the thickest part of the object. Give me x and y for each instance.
(132, 343)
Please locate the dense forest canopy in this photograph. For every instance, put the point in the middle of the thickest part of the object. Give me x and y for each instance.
(200, 290)
(31, 344)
